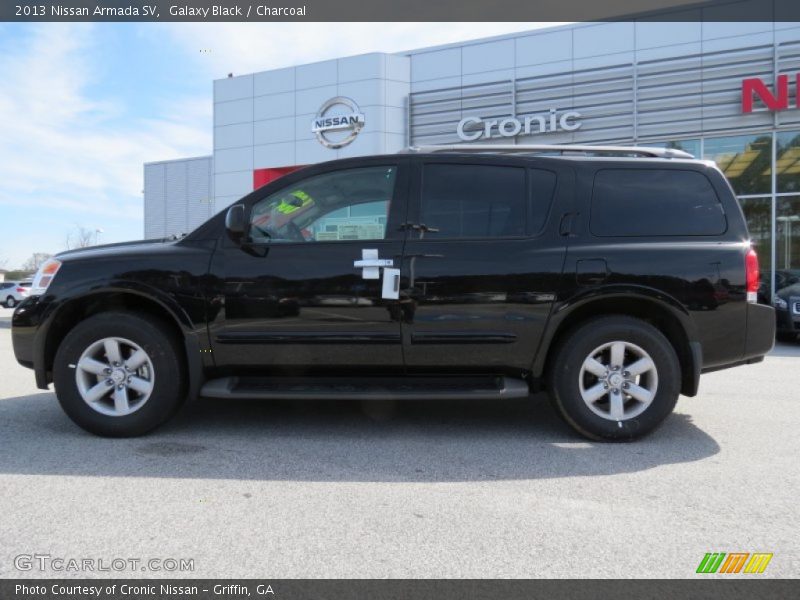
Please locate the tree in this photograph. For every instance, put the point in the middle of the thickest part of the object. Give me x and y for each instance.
(35, 261)
(17, 274)
(80, 237)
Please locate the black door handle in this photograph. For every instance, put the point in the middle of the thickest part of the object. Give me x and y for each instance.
(565, 227)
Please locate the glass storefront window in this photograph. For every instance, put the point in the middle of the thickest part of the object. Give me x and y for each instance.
(787, 234)
(746, 161)
(690, 146)
(758, 213)
(787, 152)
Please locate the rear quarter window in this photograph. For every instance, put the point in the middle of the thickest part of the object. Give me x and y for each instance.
(655, 202)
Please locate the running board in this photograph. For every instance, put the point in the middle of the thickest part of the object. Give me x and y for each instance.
(366, 388)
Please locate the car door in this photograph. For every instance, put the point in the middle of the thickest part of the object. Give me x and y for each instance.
(293, 297)
(483, 262)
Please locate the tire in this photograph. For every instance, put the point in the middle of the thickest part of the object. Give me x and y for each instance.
(153, 390)
(786, 336)
(572, 377)
(10, 302)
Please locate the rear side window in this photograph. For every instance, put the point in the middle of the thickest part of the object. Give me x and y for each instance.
(655, 202)
(473, 201)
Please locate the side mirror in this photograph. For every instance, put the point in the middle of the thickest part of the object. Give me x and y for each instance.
(235, 224)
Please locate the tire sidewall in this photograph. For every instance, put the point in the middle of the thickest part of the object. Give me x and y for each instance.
(168, 381)
(10, 302)
(569, 360)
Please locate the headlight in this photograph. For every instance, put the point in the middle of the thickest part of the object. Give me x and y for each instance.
(779, 303)
(44, 276)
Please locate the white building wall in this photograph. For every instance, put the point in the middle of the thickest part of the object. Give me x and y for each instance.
(632, 82)
(629, 80)
(178, 196)
(264, 119)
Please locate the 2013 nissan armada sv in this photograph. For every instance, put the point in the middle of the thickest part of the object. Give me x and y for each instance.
(611, 277)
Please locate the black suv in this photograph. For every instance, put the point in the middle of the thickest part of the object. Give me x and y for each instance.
(611, 277)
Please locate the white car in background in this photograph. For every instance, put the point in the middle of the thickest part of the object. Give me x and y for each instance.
(14, 292)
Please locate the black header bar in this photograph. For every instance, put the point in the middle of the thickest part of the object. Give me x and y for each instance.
(399, 10)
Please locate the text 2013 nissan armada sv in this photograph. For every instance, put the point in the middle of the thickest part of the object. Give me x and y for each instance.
(611, 277)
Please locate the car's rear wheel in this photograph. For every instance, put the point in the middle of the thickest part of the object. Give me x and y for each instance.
(10, 302)
(614, 378)
(119, 374)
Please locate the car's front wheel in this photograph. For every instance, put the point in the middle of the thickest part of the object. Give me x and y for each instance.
(614, 378)
(119, 374)
(10, 302)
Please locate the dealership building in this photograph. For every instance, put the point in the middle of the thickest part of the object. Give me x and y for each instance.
(721, 91)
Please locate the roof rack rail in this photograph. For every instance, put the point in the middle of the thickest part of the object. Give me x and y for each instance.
(545, 148)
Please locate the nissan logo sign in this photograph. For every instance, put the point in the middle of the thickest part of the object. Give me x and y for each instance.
(337, 122)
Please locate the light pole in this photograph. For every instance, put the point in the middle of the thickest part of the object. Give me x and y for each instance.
(97, 233)
(787, 238)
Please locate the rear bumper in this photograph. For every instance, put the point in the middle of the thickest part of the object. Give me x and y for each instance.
(738, 363)
(760, 331)
(759, 339)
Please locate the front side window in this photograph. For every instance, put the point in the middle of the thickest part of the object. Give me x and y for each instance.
(654, 202)
(352, 204)
(473, 201)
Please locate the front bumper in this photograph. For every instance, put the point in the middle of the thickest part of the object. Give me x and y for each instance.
(28, 335)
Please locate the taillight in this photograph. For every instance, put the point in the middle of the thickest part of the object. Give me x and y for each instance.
(751, 269)
(21, 290)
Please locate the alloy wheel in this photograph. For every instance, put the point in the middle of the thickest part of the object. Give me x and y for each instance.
(115, 376)
(618, 380)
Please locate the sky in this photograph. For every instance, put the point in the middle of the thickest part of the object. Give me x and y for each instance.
(84, 105)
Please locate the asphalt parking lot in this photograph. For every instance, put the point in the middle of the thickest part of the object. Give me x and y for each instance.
(440, 489)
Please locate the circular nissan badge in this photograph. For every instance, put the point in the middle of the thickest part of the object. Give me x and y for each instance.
(337, 122)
